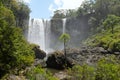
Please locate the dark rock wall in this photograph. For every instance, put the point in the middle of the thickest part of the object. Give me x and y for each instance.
(56, 31)
(77, 28)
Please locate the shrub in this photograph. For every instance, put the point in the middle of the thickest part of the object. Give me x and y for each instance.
(111, 21)
(15, 51)
(115, 45)
(105, 42)
(84, 72)
(108, 69)
(38, 73)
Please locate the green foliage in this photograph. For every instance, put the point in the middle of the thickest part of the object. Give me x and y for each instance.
(71, 13)
(92, 13)
(22, 49)
(59, 14)
(20, 10)
(37, 73)
(115, 45)
(111, 21)
(64, 37)
(84, 72)
(106, 39)
(105, 42)
(15, 51)
(85, 8)
(6, 15)
(107, 68)
(22, 15)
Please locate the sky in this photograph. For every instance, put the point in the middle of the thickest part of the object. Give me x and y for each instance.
(44, 8)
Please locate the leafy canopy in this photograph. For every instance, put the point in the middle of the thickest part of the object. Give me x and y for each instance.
(15, 51)
(64, 37)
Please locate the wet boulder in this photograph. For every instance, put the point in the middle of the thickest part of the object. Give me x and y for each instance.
(57, 60)
(40, 54)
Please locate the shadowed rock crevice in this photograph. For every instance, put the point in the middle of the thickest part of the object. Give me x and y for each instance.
(57, 60)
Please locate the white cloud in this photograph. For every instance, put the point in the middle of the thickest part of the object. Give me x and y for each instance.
(70, 4)
(65, 4)
(58, 2)
(51, 9)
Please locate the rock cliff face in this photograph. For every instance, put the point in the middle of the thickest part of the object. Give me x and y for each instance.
(46, 33)
(78, 56)
(77, 28)
(56, 31)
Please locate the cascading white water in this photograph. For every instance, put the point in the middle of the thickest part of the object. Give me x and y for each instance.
(64, 25)
(36, 33)
(47, 24)
(39, 33)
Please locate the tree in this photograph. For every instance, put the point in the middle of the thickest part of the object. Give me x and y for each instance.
(23, 15)
(15, 51)
(6, 15)
(86, 8)
(70, 13)
(111, 21)
(64, 38)
(59, 14)
(105, 7)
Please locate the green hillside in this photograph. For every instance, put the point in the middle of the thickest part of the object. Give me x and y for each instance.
(108, 38)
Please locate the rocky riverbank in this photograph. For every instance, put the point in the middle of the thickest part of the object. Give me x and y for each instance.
(79, 56)
(56, 60)
(83, 55)
(89, 55)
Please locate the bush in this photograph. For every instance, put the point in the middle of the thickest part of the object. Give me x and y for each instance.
(111, 21)
(105, 42)
(115, 45)
(108, 69)
(84, 72)
(106, 39)
(15, 51)
(37, 73)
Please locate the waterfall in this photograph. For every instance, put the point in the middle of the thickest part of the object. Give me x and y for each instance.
(39, 33)
(64, 25)
(36, 33)
(47, 24)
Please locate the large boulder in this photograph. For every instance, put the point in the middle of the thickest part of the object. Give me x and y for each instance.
(40, 54)
(40, 62)
(57, 60)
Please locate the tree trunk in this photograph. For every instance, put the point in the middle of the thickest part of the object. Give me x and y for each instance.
(65, 51)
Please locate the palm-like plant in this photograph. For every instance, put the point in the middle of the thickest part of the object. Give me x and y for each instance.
(64, 38)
